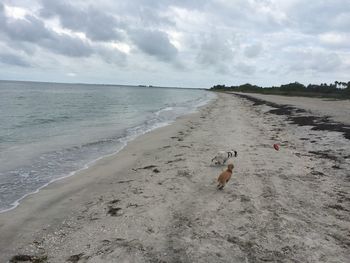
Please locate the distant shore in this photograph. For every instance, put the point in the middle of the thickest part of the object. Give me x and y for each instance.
(156, 200)
(337, 90)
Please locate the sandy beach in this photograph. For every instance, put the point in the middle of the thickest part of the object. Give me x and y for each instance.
(156, 200)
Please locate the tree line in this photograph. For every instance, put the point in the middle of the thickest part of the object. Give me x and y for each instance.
(337, 89)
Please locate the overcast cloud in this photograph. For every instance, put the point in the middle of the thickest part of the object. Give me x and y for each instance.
(175, 43)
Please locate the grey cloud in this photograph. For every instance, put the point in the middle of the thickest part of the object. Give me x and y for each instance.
(311, 17)
(314, 61)
(222, 69)
(245, 68)
(154, 12)
(243, 15)
(33, 30)
(342, 21)
(325, 63)
(216, 51)
(149, 14)
(162, 5)
(150, 17)
(27, 47)
(12, 59)
(340, 42)
(252, 51)
(67, 45)
(210, 34)
(112, 56)
(2, 14)
(97, 25)
(314, 17)
(29, 29)
(155, 43)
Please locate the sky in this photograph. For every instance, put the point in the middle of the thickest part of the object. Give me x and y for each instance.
(182, 43)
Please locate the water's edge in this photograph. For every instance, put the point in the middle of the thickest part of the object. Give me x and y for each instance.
(16, 203)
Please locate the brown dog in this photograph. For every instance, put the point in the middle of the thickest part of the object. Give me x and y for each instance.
(225, 176)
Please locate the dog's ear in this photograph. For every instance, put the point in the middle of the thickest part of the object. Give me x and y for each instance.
(235, 153)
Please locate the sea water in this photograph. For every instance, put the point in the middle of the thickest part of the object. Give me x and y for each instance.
(48, 131)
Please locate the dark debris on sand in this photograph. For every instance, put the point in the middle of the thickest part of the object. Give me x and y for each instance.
(114, 211)
(75, 258)
(145, 167)
(28, 258)
(317, 123)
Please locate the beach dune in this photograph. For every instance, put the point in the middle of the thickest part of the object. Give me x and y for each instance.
(156, 200)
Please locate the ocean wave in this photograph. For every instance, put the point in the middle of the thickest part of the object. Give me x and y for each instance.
(41, 121)
(55, 165)
(163, 110)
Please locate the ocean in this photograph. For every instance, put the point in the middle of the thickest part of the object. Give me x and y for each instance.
(49, 131)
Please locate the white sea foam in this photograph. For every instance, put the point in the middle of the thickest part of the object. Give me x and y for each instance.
(98, 121)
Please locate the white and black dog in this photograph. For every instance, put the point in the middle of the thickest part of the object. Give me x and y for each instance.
(222, 156)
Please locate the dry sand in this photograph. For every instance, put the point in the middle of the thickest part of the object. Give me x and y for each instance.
(156, 200)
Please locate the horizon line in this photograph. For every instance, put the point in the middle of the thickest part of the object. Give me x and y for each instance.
(102, 84)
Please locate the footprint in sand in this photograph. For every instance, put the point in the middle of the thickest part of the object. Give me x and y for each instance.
(112, 209)
(165, 147)
(145, 167)
(75, 258)
(184, 173)
(175, 161)
(137, 191)
(244, 198)
(155, 170)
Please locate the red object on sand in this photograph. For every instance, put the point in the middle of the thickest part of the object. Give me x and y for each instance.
(276, 147)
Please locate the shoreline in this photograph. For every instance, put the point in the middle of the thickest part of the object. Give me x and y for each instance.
(16, 203)
(78, 176)
(125, 142)
(156, 199)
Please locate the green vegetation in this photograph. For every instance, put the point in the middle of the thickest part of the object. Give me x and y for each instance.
(338, 90)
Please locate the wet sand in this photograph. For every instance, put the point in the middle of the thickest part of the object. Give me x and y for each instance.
(156, 200)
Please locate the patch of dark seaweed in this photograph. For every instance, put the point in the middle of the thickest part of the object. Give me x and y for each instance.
(317, 123)
(324, 155)
(304, 120)
(337, 127)
(18, 258)
(337, 207)
(282, 110)
(28, 258)
(255, 101)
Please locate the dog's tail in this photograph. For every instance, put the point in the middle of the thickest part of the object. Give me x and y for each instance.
(235, 153)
